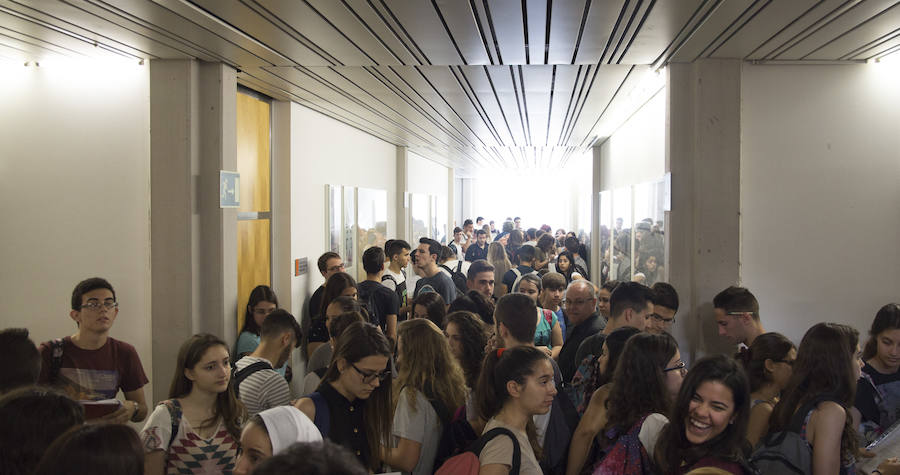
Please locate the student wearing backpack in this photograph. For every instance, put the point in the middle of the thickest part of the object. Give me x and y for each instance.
(644, 385)
(708, 421)
(454, 268)
(352, 406)
(525, 258)
(596, 391)
(816, 403)
(430, 388)
(197, 429)
(515, 385)
(381, 303)
(256, 382)
(768, 363)
(548, 334)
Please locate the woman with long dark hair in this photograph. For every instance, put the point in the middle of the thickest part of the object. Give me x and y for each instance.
(828, 363)
(428, 375)
(515, 385)
(467, 336)
(878, 394)
(202, 407)
(644, 385)
(500, 260)
(356, 393)
(708, 420)
(261, 303)
(768, 363)
(565, 265)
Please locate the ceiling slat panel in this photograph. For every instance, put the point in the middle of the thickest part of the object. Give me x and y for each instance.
(537, 92)
(502, 118)
(663, 23)
(866, 27)
(598, 28)
(509, 101)
(564, 25)
(876, 48)
(348, 24)
(715, 23)
(815, 18)
(537, 30)
(293, 35)
(605, 83)
(462, 104)
(426, 30)
(391, 37)
(461, 21)
(765, 25)
(510, 29)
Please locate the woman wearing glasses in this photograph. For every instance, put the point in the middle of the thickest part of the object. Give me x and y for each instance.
(352, 406)
(644, 385)
(431, 387)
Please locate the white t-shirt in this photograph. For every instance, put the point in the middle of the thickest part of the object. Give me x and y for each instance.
(650, 430)
(500, 450)
(398, 276)
(420, 425)
(452, 265)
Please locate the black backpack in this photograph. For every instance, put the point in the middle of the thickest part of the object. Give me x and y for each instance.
(786, 452)
(456, 433)
(239, 376)
(459, 279)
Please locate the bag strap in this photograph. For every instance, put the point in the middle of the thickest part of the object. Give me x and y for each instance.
(174, 408)
(56, 354)
(459, 267)
(323, 416)
(490, 435)
(242, 374)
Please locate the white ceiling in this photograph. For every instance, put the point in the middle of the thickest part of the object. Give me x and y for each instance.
(471, 83)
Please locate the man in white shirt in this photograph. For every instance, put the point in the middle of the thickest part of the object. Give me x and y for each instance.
(259, 386)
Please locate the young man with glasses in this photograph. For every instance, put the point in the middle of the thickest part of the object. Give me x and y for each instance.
(737, 315)
(665, 305)
(92, 366)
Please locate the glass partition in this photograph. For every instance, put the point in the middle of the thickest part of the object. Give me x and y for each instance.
(419, 215)
(349, 229)
(371, 222)
(622, 257)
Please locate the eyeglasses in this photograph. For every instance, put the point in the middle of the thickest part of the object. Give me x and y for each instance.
(740, 313)
(567, 302)
(94, 306)
(263, 311)
(660, 318)
(680, 367)
(369, 377)
(336, 268)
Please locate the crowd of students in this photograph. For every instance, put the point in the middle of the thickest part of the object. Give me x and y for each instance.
(501, 354)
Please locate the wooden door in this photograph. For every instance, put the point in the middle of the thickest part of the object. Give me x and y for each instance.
(254, 266)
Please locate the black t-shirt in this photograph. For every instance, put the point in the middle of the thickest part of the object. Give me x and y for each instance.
(318, 332)
(474, 253)
(576, 335)
(509, 278)
(379, 300)
(882, 400)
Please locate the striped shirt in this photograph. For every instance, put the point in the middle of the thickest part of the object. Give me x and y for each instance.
(263, 389)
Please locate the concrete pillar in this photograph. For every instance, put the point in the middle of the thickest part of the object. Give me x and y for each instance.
(282, 258)
(403, 226)
(703, 154)
(451, 201)
(193, 241)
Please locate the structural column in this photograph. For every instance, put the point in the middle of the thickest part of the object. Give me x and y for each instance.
(193, 242)
(403, 228)
(596, 238)
(703, 154)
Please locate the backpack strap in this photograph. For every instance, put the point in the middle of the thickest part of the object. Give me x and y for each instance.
(242, 374)
(490, 435)
(323, 416)
(548, 315)
(174, 408)
(459, 267)
(56, 354)
(442, 266)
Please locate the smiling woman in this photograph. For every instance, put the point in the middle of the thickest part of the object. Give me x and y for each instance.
(709, 419)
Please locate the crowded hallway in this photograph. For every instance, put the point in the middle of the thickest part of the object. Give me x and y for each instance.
(390, 236)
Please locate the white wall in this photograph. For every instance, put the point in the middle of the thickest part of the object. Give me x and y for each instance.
(636, 151)
(75, 194)
(426, 176)
(820, 167)
(327, 152)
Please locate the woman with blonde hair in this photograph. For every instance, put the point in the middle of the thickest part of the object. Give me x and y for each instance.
(498, 258)
(430, 387)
